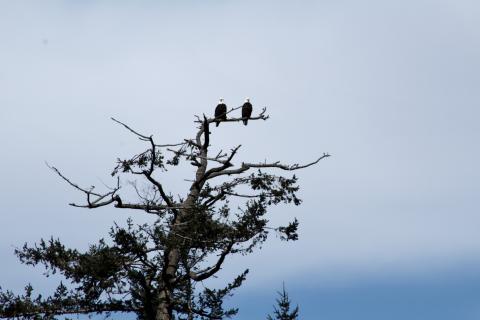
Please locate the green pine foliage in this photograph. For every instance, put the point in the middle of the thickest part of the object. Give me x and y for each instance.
(282, 311)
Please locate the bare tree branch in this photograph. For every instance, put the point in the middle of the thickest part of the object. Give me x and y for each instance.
(76, 186)
(246, 166)
(225, 165)
(141, 136)
(160, 189)
(192, 156)
(207, 273)
(144, 137)
(96, 203)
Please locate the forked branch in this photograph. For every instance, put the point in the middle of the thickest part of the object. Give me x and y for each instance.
(247, 166)
(148, 138)
(99, 200)
(207, 273)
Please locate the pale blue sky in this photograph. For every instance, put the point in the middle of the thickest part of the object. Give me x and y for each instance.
(390, 88)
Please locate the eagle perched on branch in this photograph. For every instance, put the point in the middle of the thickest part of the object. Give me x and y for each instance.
(246, 111)
(221, 111)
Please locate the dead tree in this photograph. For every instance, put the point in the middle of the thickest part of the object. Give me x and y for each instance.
(153, 269)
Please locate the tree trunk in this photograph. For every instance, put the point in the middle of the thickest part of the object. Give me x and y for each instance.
(164, 309)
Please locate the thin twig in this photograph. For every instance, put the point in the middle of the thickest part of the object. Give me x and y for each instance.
(143, 137)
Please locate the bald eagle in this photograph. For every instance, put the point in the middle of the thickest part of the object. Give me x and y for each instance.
(221, 111)
(246, 111)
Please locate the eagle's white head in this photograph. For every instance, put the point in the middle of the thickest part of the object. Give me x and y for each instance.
(221, 100)
(247, 99)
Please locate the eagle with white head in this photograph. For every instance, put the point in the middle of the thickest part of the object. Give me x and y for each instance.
(246, 111)
(220, 111)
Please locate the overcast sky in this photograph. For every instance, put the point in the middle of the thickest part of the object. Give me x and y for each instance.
(389, 88)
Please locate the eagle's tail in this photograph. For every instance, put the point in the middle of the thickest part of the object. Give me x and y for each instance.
(218, 123)
(245, 121)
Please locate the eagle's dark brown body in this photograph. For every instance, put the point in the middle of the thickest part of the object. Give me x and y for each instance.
(246, 112)
(221, 112)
